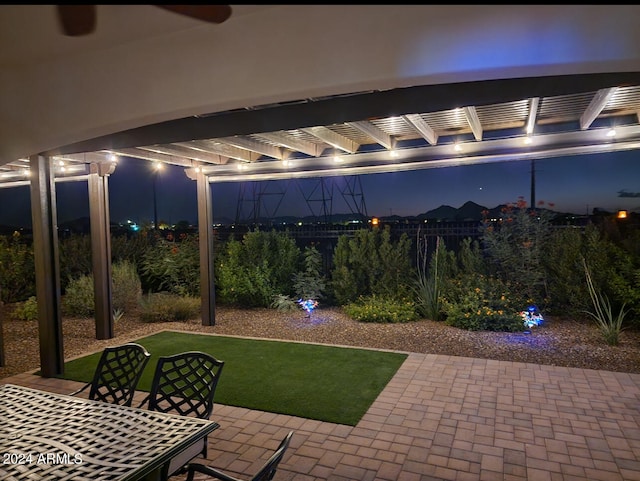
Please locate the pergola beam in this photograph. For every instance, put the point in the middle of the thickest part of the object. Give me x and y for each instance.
(334, 139)
(598, 103)
(474, 121)
(374, 132)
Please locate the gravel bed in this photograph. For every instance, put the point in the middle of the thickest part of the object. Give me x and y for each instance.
(560, 342)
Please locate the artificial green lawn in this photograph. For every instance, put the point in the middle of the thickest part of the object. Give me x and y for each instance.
(326, 383)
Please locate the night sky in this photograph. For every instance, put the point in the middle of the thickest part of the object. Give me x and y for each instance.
(576, 184)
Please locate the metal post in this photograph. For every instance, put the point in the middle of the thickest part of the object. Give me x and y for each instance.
(205, 236)
(2, 360)
(101, 248)
(155, 199)
(45, 249)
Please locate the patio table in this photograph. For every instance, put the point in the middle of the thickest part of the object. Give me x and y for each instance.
(55, 437)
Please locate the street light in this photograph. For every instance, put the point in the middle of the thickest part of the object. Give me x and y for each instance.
(157, 167)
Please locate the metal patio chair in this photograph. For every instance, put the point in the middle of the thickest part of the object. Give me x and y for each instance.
(185, 384)
(266, 473)
(117, 374)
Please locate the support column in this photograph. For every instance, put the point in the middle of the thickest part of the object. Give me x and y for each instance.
(101, 248)
(205, 235)
(2, 360)
(45, 249)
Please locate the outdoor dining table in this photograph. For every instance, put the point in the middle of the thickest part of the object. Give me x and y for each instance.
(47, 436)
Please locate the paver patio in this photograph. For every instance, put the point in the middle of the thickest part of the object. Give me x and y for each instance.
(448, 418)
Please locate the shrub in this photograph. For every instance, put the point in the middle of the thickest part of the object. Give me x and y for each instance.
(17, 269)
(614, 270)
(567, 290)
(469, 259)
(129, 247)
(244, 286)
(75, 258)
(172, 265)
(252, 271)
(479, 303)
(127, 288)
(309, 283)
(284, 303)
(27, 310)
(79, 299)
(370, 263)
(516, 248)
(168, 307)
(277, 252)
(381, 309)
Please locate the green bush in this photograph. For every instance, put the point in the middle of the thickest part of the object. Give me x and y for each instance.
(129, 247)
(278, 252)
(251, 272)
(17, 269)
(127, 289)
(616, 274)
(244, 286)
(168, 307)
(371, 263)
(614, 270)
(75, 258)
(479, 303)
(27, 310)
(284, 303)
(516, 248)
(567, 290)
(78, 300)
(172, 265)
(310, 283)
(381, 309)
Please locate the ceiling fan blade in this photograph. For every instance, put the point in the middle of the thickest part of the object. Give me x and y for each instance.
(207, 13)
(77, 20)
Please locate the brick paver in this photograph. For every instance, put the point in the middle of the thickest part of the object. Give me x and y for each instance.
(448, 418)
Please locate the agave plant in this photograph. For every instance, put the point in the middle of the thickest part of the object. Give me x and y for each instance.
(427, 285)
(609, 324)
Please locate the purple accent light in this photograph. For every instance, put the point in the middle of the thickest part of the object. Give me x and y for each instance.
(308, 305)
(531, 317)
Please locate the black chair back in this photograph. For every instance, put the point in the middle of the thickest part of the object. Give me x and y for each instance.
(117, 374)
(266, 473)
(185, 384)
(269, 469)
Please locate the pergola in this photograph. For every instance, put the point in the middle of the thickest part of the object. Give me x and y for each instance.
(280, 92)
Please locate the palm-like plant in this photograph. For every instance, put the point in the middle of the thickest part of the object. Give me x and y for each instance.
(609, 324)
(428, 282)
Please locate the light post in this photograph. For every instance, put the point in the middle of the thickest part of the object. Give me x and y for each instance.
(157, 167)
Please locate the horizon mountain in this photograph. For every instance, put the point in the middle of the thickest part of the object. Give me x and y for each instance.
(469, 211)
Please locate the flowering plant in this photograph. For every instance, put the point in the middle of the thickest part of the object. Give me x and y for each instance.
(480, 303)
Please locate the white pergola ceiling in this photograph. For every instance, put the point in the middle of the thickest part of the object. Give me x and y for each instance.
(528, 127)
